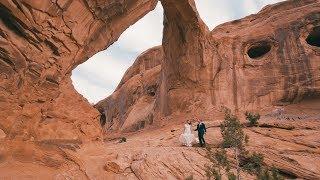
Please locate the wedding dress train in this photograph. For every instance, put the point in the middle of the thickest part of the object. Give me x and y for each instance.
(187, 137)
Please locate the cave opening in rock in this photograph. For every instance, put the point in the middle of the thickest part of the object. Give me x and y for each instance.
(98, 77)
(259, 49)
(313, 38)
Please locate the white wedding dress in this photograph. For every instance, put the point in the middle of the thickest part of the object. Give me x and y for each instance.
(187, 137)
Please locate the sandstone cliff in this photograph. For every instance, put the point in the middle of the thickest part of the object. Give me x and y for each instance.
(271, 58)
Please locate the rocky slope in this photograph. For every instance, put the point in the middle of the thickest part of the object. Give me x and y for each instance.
(47, 129)
(292, 146)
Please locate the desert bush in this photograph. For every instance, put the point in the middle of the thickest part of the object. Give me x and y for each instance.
(212, 172)
(232, 133)
(189, 177)
(122, 140)
(276, 174)
(231, 176)
(220, 162)
(233, 136)
(253, 163)
(235, 139)
(252, 118)
(267, 174)
(222, 159)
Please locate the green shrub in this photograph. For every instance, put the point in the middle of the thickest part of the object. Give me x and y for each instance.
(212, 172)
(222, 159)
(231, 131)
(122, 140)
(233, 136)
(252, 118)
(266, 174)
(253, 163)
(275, 174)
(231, 176)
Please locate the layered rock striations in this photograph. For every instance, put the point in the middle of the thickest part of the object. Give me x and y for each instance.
(41, 42)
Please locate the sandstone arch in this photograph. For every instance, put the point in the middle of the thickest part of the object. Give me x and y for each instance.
(37, 54)
(202, 70)
(41, 42)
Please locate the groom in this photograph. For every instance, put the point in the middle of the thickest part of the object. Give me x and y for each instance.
(201, 128)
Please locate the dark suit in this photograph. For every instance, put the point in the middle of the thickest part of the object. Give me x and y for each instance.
(201, 128)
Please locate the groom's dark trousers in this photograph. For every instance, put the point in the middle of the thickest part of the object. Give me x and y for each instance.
(201, 128)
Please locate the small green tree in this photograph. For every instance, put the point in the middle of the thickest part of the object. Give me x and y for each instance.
(252, 118)
(220, 161)
(211, 170)
(275, 174)
(233, 136)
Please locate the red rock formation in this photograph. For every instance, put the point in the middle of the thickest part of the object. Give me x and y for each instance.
(264, 59)
(247, 64)
(258, 61)
(41, 43)
(132, 105)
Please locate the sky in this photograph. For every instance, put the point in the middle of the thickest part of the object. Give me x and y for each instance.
(98, 77)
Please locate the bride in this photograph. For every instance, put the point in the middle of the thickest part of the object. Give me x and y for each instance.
(187, 137)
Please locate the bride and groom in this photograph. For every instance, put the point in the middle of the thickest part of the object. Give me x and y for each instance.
(187, 137)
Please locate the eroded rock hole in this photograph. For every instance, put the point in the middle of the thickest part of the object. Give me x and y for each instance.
(151, 90)
(259, 49)
(313, 38)
(103, 119)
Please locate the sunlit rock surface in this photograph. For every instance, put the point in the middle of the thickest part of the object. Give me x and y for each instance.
(48, 131)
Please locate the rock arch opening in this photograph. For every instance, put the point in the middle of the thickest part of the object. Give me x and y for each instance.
(98, 77)
(101, 75)
(313, 38)
(259, 50)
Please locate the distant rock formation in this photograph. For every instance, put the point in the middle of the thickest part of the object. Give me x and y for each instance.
(131, 107)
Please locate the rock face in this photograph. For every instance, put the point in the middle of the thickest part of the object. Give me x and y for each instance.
(41, 42)
(266, 59)
(256, 62)
(131, 106)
